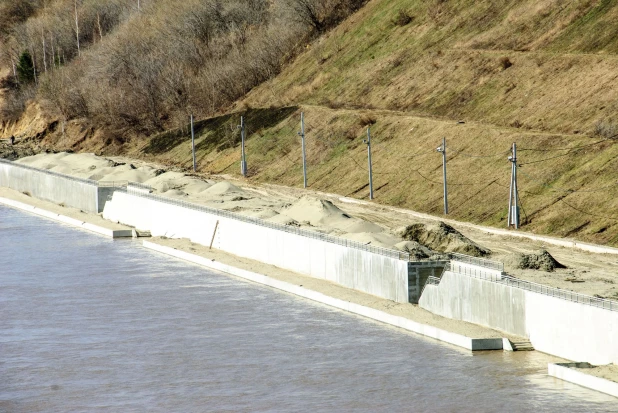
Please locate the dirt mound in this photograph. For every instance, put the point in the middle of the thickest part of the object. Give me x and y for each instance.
(444, 238)
(542, 260)
(416, 250)
(323, 213)
(222, 188)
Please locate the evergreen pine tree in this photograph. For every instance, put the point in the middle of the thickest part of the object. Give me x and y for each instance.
(25, 69)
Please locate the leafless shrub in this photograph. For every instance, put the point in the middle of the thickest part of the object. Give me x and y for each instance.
(606, 129)
(150, 71)
(350, 134)
(366, 120)
(516, 124)
(321, 15)
(396, 62)
(505, 62)
(403, 18)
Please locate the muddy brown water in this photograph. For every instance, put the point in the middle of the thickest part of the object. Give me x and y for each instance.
(94, 325)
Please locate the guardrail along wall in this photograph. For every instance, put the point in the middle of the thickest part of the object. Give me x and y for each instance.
(54, 187)
(555, 323)
(377, 271)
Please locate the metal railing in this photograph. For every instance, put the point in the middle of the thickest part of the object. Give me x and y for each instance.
(141, 188)
(560, 293)
(603, 303)
(52, 173)
(113, 184)
(473, 271)
(400, 255)
(479, 262)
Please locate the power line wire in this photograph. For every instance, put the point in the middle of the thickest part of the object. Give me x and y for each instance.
(568, 149)
(586, 212)
(557, 189)
(546, 159)
(462, 153)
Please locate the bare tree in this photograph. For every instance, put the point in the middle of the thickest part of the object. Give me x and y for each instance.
(77, 29)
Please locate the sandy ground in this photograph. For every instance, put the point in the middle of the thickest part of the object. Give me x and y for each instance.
(608, 372)
(380, 225)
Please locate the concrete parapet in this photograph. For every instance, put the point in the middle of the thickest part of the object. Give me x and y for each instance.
(564, 371)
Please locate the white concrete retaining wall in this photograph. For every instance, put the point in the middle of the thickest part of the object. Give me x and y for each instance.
(555, 326)
(69, 191)
(365, 271)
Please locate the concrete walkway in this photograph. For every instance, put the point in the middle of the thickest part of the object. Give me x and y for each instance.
(71, 216)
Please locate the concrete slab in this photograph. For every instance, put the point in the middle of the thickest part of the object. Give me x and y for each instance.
(112, 233)
(563, 371)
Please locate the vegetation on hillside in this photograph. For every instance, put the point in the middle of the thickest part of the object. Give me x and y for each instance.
(146, 69)
(483, 74)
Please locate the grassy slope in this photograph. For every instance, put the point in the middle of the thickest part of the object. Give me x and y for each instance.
(415, 82)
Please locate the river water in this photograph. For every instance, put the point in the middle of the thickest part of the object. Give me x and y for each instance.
(88, 324)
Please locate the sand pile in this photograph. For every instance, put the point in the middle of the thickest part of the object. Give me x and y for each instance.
(223, 188)
(444, 238)
(308, 212)
(90, 166)
(541, 260)
(322, 213)
(417, 251)
(377, 239)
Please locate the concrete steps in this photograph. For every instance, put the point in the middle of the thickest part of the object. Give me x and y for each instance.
(522, 346)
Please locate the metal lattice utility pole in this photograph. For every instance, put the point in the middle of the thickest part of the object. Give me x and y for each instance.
(243, 160)
(193, 143)
(513, 211)
(368, 142)
(442, 149)
(302, 135)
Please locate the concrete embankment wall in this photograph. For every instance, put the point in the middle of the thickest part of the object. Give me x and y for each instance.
(366, 271)
(556, 326)
(73, 192)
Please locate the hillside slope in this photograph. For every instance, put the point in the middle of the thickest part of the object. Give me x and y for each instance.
(483, 74)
